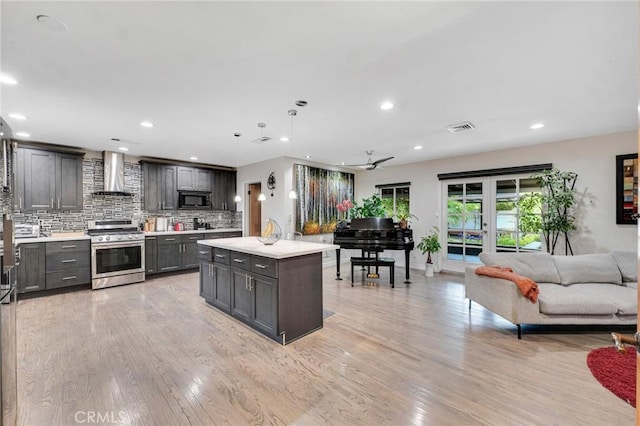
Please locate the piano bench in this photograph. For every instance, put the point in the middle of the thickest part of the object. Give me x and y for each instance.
(373, 261)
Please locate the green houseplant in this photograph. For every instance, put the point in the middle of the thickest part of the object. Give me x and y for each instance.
(555, 203)
(428, 244)
(371, 207)
(404, 216)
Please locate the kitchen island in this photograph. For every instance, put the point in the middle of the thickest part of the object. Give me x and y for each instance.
(275, 289)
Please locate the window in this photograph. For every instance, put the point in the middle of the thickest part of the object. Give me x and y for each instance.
(395, 199)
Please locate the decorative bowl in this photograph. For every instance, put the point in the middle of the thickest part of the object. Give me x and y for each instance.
(271, 233)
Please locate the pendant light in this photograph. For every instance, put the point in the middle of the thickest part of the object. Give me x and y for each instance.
(292, 113)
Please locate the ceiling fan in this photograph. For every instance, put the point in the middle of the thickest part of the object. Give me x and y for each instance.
(370, 164)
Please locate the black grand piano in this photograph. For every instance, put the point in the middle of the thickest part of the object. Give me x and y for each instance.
(373, 234)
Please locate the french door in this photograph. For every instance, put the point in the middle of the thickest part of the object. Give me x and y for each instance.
(496, 214)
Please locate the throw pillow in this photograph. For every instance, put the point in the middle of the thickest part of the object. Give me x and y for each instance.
(588, 268)
(537, 266)
(627, 262)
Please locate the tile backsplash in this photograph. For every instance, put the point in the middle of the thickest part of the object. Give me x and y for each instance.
(101, 207)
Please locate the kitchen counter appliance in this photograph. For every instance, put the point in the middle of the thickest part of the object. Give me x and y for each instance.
(117, 253)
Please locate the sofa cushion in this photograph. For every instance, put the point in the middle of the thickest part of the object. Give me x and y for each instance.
(587, 299)
(588, 268)
(537, 266)
(627, 262)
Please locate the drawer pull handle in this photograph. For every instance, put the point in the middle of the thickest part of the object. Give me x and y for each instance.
(222, 256)
(69, 278)
(69, 261)
(193, 238)
(202, 252)
(238, 260)
(169, 239)
(71, 246)
(261, 266)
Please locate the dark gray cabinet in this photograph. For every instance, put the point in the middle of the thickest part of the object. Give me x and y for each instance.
(48, 180)
(151, 255)
(193, 179)
(57, 264)
(281, 298)
(254, 295)
(177, 252)
(68, 263)
(206, 280)
(224, 190)
(32, 268)
(160, 188)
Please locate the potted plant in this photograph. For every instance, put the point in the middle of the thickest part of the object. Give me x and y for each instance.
(404, 216)
(550, 210)
(371, 207)
(429, 244)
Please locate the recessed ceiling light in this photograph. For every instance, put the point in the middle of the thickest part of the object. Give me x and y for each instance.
(537, 126)
(7, 79)
(284, 139)
(193, 158)
(123, 148)
(386, 105)
(23, 134)
(307, 156)
(147, 124)
(18, 116)
(417, 147)
(342, 163)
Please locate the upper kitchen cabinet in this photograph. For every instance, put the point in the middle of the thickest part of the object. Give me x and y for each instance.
(160, 189)
(224, 190)
(193, 179)
(48, 180)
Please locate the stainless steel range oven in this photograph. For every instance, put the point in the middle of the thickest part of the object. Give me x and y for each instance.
(117, 253)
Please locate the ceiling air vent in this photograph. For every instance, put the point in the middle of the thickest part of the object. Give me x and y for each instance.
(461, 127)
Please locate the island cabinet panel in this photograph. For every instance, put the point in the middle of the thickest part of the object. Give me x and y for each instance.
(299, 296)
(240, 295)
(265, 303)
(281, 298)
(221, 297)
(206, 280)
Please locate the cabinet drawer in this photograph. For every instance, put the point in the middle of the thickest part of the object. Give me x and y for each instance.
(67, 246)
(191, 238)
(240, 260)
(205, 252)
(221, 256)
(71, 260)
(68, 277)
(264, 266)
(169, 239)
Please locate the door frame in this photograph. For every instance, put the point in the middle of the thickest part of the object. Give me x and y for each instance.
(253, 207)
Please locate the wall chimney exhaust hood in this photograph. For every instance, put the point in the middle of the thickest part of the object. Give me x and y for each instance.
(113, 174)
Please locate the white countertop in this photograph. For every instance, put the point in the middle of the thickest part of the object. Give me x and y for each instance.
(280, 250)
(196, 231)
(50, 239)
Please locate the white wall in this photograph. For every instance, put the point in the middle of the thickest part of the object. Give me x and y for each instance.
(592, 158)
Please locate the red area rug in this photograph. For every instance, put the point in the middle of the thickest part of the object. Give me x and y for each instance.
(615, 371)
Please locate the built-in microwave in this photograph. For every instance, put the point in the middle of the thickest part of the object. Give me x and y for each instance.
(194, 200)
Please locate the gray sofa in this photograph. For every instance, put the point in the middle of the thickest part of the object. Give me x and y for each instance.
(585, 289)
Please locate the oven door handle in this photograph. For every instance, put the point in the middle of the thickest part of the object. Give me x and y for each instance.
(117, 245)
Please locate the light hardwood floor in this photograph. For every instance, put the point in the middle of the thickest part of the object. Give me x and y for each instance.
(155, 354)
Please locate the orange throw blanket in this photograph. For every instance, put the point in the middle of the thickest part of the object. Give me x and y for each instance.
(527, 286)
